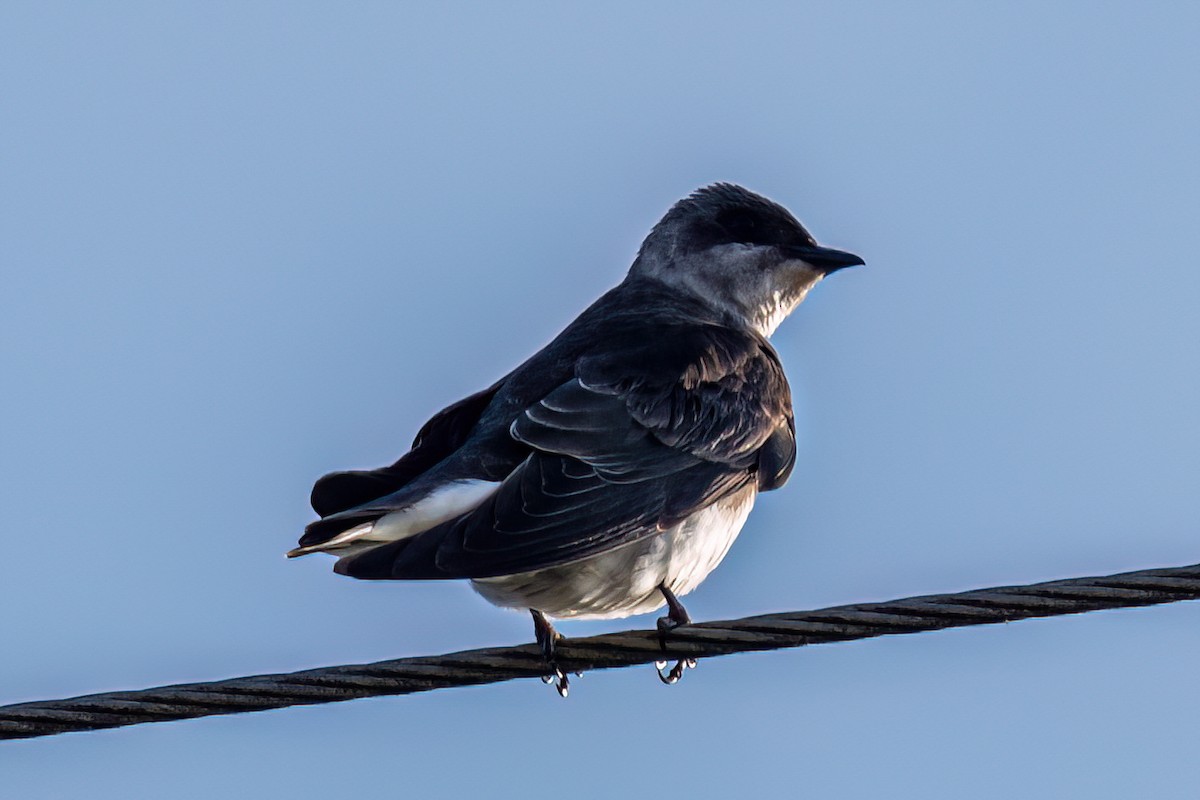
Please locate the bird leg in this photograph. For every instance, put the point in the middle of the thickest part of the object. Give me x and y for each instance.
(547, 637)
(676, 615)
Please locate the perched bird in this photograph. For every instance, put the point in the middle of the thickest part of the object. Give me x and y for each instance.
(610, 473)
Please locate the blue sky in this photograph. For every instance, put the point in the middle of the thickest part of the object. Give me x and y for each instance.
(247, 243)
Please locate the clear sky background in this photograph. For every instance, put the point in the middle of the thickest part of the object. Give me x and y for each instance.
(243, 244)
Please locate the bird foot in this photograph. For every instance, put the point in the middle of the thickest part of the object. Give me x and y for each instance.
(547, 638)
(676, 615)
(559, 679)
(676, 673)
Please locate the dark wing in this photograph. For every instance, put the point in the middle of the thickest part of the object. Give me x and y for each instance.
(643, 436)
(444, 433)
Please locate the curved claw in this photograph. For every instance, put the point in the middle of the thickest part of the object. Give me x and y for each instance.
(677, 615)
(673, 677)
(547, 638)
(560, 680)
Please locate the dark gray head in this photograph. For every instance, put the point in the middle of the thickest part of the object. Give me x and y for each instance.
(743, 254)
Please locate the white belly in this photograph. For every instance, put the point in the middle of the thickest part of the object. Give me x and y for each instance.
(625, 581)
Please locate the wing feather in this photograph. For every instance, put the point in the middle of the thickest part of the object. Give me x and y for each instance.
(645, 434)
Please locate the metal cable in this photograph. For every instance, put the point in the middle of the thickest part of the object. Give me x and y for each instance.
(608, 651)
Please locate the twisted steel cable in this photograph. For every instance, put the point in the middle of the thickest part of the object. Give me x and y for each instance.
(607, 651)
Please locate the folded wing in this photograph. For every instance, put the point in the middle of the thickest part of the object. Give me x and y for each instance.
(644, 435)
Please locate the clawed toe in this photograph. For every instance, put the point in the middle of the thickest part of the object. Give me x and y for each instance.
(559, 679)
(547, 638)
(673, 677)
(676, 615)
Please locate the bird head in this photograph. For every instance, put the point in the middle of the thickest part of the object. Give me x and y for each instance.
(741, 253)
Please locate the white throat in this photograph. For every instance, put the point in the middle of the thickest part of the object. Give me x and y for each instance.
(768, 317)
(747, 283)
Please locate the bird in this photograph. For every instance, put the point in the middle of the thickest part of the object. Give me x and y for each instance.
(610, 473)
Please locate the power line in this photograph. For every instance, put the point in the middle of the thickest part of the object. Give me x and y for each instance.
(608, 651)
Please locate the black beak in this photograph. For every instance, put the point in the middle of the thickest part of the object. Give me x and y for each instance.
(826, 259)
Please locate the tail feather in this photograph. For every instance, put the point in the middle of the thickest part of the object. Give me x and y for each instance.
(324, 531)
(341, 541)
(355, 530)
